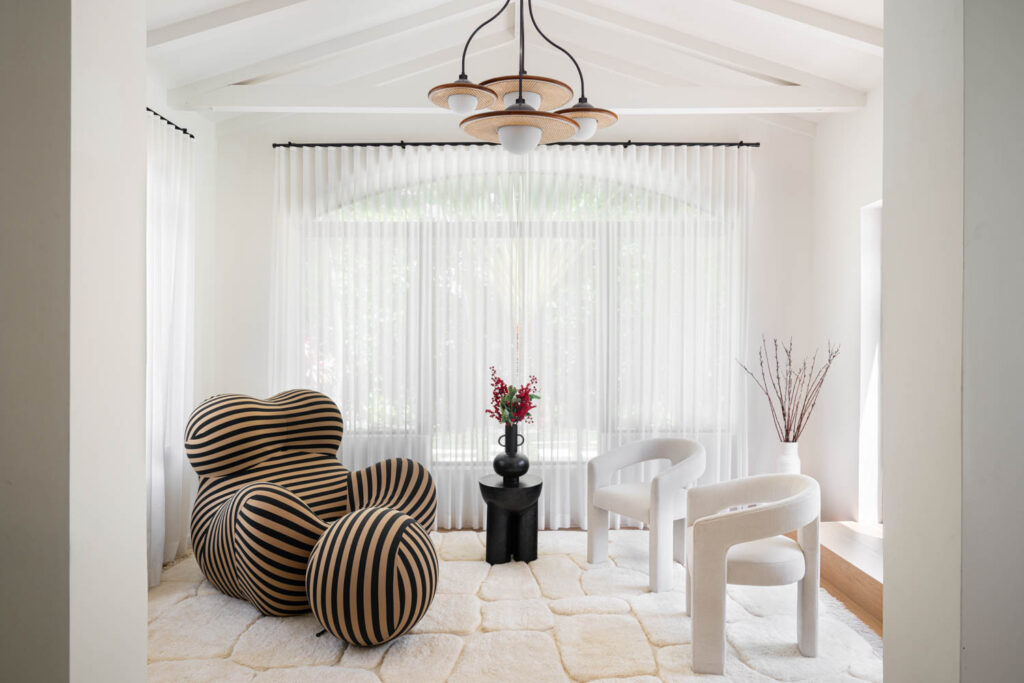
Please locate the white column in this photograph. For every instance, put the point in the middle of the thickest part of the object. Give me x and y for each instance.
(72, 188)
(107, 467)
(993, 368)
(922, 286)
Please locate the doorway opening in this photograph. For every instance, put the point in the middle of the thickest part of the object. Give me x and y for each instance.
(870, 470)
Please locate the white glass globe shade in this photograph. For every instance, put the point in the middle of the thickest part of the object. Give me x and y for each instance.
(532, 98)
(588, 127)
(462, 103)
(519, 139)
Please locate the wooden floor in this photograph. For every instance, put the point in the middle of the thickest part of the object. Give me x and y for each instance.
(851, 568)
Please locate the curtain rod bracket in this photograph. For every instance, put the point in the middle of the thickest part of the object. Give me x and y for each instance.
(170, 123)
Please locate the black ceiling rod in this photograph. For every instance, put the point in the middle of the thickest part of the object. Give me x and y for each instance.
(462, 74)
(583, 87)
(522, 51)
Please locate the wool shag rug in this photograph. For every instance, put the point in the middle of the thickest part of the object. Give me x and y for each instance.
(555, 619)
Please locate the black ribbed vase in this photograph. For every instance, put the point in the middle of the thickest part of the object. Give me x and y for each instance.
(510, 465)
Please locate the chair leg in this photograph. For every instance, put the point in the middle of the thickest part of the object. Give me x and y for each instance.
(661, 555)
(597, 535)
(679, 541)
(807, 617)
(707, 608)
(807, 591)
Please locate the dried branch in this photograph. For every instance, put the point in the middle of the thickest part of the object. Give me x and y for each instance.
(792, 393)
(762, 384)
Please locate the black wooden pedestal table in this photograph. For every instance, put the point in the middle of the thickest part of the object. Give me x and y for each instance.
(511, 518)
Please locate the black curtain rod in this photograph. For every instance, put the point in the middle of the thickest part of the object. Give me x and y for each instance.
(170, 123)
(403, 144)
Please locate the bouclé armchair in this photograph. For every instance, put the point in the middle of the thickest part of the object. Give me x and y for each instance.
(735, 534)
(660, 503)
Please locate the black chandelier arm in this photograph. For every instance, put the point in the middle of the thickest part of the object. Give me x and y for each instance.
(522, 51)
(583, 89)
(475, 31)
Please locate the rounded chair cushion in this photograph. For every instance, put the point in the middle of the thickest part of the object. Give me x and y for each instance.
(633, 500)
(371, 576)
(773, 561)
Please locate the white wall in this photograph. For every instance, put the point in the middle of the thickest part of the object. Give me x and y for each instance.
(847, 176)
(235, 305)
(922, 284)
(107, 460)
(993, 365)
(235, 300)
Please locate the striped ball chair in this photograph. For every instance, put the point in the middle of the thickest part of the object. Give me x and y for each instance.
(278, 520)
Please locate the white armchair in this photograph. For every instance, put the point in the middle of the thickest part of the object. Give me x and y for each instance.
(661, 503)
(744, 545)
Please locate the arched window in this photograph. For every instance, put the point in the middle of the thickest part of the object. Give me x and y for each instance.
(617, 276)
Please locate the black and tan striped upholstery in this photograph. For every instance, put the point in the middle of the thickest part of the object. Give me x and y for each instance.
(372, 576)
(271, 488)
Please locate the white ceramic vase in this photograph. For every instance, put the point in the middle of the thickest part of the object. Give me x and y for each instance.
(789, 458)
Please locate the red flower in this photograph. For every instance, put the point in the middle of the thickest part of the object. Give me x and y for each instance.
(511, 404)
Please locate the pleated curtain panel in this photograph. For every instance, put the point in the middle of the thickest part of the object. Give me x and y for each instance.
(616, 275)
(170, 226)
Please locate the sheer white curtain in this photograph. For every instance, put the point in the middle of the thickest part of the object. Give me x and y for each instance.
(170, 224)
(616, 275)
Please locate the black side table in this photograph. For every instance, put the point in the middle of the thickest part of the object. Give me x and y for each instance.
(511, 518)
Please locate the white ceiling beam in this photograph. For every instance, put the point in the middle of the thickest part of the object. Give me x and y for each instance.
(630, 49)
(790, 122)
(861, 36)
(231, 122)
(383, 62)
(373, 68)
(294, 61)
(646, 101)
(627, 66)
(737, 60)
(620, 65)
(215, 19)
(449, 57)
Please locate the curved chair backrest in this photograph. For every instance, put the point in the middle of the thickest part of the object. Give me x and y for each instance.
(674, 450)
(783, 503)
(230, 433)
(773, 488)
(796, 496)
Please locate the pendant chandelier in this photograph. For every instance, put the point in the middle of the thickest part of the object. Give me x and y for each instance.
(524, 108)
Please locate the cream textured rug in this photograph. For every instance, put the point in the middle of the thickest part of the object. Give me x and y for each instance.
(556, 619)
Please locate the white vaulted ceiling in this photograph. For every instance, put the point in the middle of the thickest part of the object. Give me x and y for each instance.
(638, 56)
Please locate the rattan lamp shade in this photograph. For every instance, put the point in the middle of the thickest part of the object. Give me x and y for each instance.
(553, 93)
(554, 128)
(485, 97)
